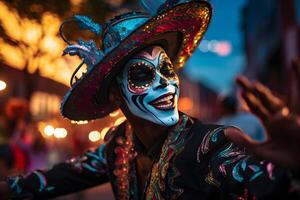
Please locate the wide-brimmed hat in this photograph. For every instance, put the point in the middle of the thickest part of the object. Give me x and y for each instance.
(176, 26)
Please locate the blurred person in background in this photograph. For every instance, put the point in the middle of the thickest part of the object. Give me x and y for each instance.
(35, 147)
(158, 153)
(26, 142)
(246, 121)
(15, 123)
(16, 112)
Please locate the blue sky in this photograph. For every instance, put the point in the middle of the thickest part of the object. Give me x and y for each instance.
(215, 72)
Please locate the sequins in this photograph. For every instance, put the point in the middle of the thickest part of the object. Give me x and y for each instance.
(171, 147)
(124, 155)
(211, 180)
(141, 75)
(143, 29)
(93, 161)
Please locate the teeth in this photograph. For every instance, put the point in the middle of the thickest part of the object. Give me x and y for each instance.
(164, 105)
(167, 98)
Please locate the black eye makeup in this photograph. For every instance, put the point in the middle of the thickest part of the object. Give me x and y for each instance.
(141, 74)
(166, 68)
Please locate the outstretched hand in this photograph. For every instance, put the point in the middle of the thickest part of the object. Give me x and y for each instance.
(282, 145)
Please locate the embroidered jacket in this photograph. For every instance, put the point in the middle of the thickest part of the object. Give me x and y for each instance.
(194, 161)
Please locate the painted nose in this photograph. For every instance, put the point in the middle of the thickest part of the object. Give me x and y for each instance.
(162, 83)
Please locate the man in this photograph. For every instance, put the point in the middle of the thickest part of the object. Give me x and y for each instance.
(158, 153)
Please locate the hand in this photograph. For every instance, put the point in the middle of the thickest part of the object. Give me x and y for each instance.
(282, 145)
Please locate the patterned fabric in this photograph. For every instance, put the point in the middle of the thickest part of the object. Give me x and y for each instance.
(74, 175)
(172, 146)
(196, 161)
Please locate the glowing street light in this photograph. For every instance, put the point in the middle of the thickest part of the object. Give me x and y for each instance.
(94, 136)
(221, 48)
(49, 130)
(2, 85)
(60, 133)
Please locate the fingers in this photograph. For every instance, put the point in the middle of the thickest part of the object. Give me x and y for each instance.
(270, 101)
(238, 137)
(243, 82)
(262, 98)
(256, 106)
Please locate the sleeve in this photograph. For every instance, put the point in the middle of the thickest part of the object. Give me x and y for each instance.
(74, 175)
(238, 174)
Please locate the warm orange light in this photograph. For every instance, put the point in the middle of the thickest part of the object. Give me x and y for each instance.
(76, 2)
(39, 46)
(285, 111)
(49, 130)
(2, 85)
(94, 136)
(119, 121)
(103, 132)
(114, 114)
(185, 104)
(60, 133)
(81, 122)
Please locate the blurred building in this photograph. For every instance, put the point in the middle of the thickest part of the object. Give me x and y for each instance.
(271, 33)
(197, 100)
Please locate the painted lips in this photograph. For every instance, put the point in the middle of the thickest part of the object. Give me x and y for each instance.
(164, 102)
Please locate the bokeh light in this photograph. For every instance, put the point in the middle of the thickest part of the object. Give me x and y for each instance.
(103, 132)
(60, 133)
(81, 122)
(94, 136)
(185, 104)
(114, 114)
(119, 121)
(221, 48)
(49, 130)
(2, 85)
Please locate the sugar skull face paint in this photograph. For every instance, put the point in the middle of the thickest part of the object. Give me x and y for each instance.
(149, 86)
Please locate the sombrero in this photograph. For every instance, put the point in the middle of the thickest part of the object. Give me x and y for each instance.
(176, 25)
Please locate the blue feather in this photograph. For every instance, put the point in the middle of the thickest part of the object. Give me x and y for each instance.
(87, 23)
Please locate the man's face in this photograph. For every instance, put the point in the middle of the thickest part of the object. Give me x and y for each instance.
(149, 86)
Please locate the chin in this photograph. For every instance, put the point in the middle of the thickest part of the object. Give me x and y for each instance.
(167, 118)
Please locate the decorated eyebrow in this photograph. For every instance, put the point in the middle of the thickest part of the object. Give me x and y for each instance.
(140, 62)
(164, 59)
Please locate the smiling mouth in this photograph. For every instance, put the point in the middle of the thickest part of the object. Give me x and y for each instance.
(164, 102)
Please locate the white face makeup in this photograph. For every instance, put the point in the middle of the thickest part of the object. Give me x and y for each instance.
(149, 86)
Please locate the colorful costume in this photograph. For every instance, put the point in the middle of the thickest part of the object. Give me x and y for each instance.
(195, 161)
(191, 160)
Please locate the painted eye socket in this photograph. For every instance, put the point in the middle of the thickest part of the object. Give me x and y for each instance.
(167, 69)
(141, 75)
